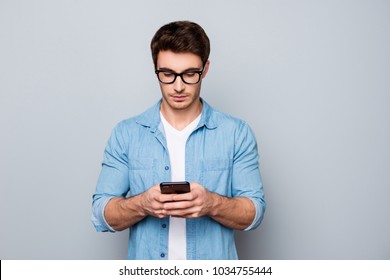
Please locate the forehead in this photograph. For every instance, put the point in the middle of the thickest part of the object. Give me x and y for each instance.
(178, 61)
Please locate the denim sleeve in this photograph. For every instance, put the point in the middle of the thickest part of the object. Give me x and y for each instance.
(113, 179)
(247, 180)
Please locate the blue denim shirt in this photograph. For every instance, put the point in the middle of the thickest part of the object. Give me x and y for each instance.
(221, 155)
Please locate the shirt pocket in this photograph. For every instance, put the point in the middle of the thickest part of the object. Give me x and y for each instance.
(141, 174)
(216, 175)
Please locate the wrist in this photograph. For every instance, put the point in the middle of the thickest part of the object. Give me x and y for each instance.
(134, 204)
(139, 205)
(215, 205)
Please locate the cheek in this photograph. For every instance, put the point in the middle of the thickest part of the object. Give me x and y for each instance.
(197, 89)
(164, 88)
(161, 86)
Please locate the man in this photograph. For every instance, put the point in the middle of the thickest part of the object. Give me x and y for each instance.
(181, 138)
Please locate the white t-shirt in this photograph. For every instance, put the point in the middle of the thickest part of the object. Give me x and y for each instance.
(176, 142)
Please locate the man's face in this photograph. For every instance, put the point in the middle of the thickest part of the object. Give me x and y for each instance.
(179, 95)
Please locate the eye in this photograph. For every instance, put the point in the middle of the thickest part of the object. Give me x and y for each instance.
(190, 74)
(167, 74)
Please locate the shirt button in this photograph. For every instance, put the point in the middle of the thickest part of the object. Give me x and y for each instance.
(164, 225)
(162, 255)
(167, 167)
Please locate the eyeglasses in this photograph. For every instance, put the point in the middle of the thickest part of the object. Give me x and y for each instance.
(188, 77)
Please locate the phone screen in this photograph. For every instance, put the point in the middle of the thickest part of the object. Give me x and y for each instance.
(174, 187)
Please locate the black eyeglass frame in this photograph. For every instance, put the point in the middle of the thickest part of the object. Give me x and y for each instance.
(199, 72)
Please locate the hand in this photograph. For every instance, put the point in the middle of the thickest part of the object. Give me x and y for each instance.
(197, 203)
(152, 202)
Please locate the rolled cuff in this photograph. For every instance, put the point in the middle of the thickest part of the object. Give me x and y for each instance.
(260, 209)
(98, 219)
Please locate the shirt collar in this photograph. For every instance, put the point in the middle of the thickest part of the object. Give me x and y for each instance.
(151, 117)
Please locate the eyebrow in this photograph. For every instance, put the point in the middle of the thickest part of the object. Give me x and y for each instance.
(187, 70)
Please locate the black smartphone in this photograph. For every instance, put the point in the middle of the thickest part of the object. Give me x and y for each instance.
(174, 187)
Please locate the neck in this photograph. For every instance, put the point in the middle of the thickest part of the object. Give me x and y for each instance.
(180, 118)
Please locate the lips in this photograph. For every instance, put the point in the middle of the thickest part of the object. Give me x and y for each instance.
(179, 98)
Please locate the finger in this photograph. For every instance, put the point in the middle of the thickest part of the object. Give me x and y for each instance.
(176, 213)
(184, 196)
(184, 213)
(177, 205)
(165, 198)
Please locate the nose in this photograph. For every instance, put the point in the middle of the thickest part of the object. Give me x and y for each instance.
(178, 85)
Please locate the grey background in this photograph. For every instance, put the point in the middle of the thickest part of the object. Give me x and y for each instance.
(310, 77)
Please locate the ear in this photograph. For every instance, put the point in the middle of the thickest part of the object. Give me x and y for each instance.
(206, 69)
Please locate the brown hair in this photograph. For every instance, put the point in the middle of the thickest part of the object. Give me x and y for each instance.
(180, 37)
